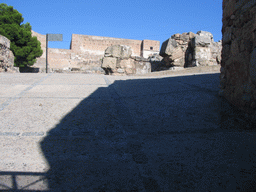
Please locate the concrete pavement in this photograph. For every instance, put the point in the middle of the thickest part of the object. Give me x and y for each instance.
(80, 132)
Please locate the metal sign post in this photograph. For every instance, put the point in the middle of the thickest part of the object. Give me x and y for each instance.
(51, 37)
(46, 53)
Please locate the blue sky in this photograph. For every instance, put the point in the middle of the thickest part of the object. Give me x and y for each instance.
(129, 19)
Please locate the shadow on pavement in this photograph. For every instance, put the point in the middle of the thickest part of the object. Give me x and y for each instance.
(169, 134)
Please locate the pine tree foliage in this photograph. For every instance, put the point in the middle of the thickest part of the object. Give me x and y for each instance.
(24, 47)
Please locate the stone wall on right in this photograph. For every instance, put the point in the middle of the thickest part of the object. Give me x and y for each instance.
(238, 65)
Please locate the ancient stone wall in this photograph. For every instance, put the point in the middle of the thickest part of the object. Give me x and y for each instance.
(6, 56)
(190, 50)
(238, 71)
(86, 51)
(118, 60)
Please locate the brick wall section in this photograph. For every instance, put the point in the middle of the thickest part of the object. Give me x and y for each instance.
(87, 50)
(97, 44)
(148, 44)
(238, 71)
(150, 47)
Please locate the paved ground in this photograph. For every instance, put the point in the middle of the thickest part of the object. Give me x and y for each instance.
(77, 132)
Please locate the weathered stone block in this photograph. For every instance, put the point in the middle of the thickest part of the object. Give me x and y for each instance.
(183, 50)
(127, 63)
(137, 58)
(202, 55)
(118, 51)
(177, 53)
(130, 70)
(202, 41)
(179, 62)
(142, 67)
(205, 34)
(168, 47)
(185, 36)
(109, 62)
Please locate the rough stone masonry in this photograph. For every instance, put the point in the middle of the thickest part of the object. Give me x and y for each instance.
(6, 56)
(118, 61)
(190, 50)
(238, 66)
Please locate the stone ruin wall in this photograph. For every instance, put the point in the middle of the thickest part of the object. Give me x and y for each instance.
(238, 71)
(6, 56)
(190, 50)
(87, 50)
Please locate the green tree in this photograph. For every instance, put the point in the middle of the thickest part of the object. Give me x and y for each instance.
(24, 47)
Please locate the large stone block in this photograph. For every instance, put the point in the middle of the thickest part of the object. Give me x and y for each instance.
(202, 41)
(109, 62)
(168, 47)
(127, 63)
(118, 51)
(177, 53)
(189, 49)
(202, 56)
(205, 34)
(143, 67)
(173, 51)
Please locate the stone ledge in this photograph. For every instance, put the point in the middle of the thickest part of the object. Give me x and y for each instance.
(185, 71)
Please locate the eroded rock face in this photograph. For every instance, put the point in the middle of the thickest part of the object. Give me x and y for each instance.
(118, 61)
(6, 56)
(189, 50)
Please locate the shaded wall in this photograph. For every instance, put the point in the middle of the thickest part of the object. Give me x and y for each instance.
(238, 71)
